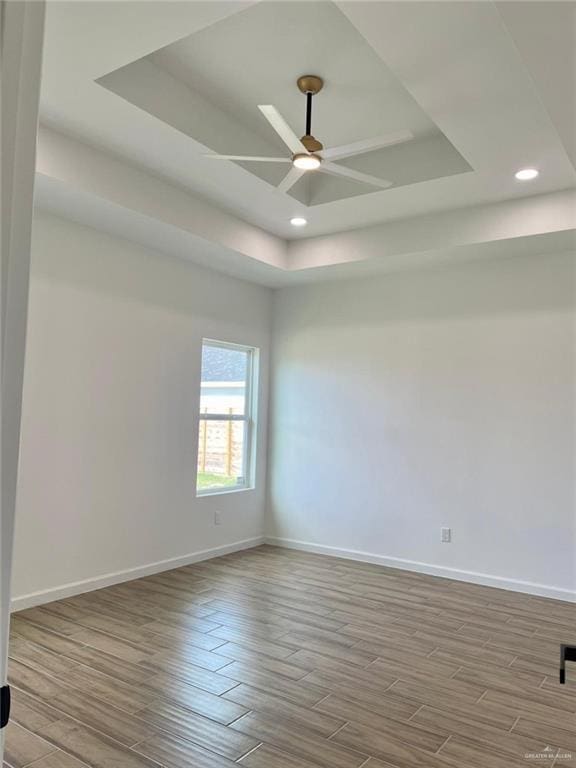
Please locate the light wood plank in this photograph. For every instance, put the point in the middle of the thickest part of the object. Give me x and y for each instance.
(23, 747)
(172, 752)
(266, 756)
(292, 737)
(92, 747)
(200, 730)
(429, 737)
(268, 704)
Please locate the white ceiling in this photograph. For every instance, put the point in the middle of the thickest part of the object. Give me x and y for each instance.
(485, 87)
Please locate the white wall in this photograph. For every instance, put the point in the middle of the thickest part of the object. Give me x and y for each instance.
(444, 397)
(401, 403)
(109, 433)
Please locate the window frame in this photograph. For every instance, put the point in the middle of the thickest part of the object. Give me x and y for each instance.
(249, 418)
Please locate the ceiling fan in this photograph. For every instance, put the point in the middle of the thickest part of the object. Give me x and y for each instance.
(308, 154)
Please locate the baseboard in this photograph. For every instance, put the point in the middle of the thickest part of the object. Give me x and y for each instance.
(541, 590)
(108, 579)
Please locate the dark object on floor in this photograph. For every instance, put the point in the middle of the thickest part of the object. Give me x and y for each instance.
(4, 705)
(567, 653)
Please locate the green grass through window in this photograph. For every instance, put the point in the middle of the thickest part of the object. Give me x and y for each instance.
(207, 480)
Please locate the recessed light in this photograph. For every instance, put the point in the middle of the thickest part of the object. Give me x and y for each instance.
(298, 221)
(306, 162)
(526, 174)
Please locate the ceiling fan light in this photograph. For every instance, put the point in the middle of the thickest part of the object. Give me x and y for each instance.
(526, 174)
(306, 162)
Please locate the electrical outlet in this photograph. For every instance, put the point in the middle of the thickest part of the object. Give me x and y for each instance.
(217, 518)
(445, 535)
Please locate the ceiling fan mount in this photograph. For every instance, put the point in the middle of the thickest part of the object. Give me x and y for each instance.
(308, 154)
(310, 84)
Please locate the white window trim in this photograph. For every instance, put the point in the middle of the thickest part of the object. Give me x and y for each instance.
(248, 418)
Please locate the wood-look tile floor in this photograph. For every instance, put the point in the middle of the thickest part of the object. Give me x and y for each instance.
(271, 658)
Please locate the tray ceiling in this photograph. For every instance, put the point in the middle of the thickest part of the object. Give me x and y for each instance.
(485, 87)
(208, 85)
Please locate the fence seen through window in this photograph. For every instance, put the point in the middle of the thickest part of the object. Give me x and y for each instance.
(226, 417)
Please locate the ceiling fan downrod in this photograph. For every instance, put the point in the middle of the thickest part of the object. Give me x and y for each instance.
(308, 113)
(310, 85)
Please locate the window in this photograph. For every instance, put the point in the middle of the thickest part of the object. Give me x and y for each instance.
(227, 426)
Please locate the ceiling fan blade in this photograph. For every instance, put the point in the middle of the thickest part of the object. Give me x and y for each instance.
(290, 179)
(366, 145)
(348, 173)
(251, 159)
(282, 128)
